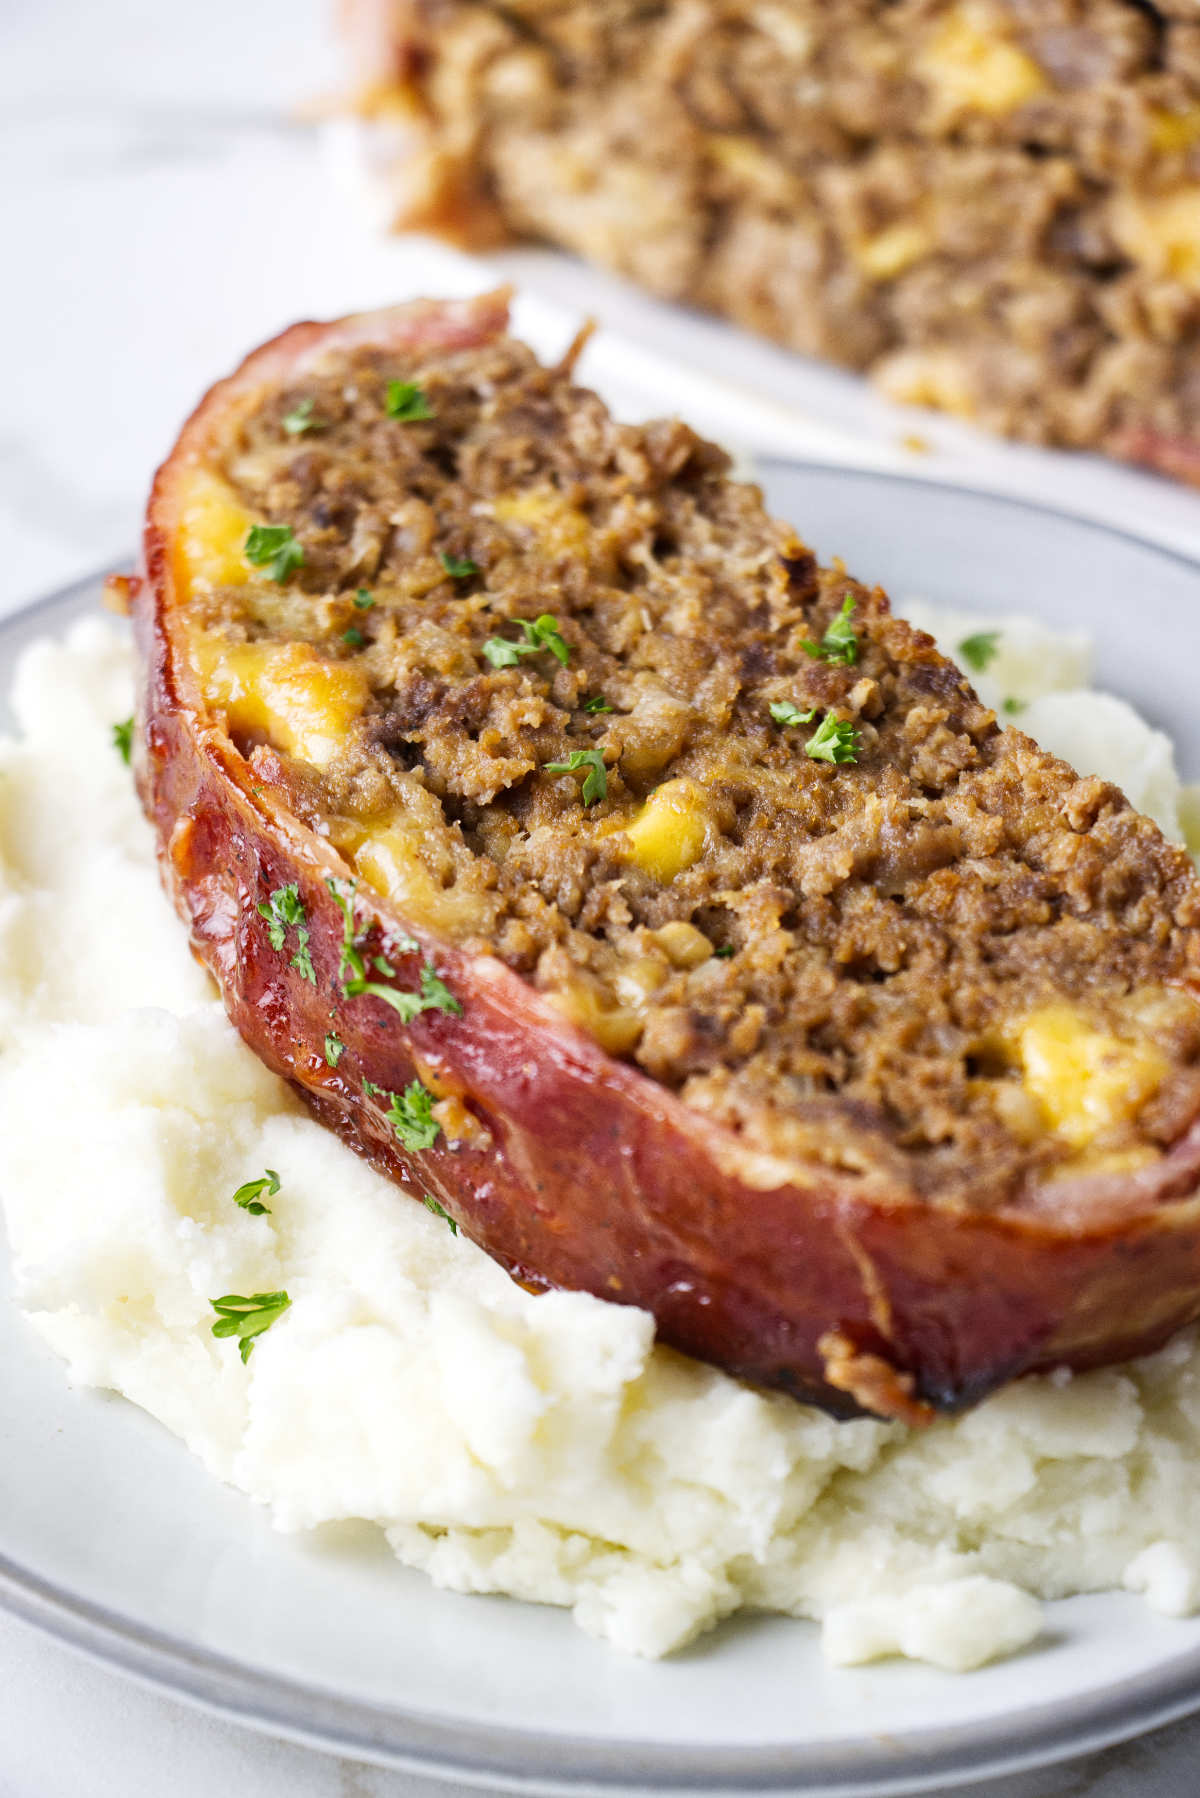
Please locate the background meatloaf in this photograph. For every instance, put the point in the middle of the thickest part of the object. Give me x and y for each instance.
(992, 205)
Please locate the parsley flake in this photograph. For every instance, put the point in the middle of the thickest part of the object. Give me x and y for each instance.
(431, 1204)
(351, 962)
(839, 644)
(122, 736)
(434, 994)
(284, 911)
(981, 650)
(364, 599)
(353, 637)
(1013, 706)
(247, 1318)
(300, 419)
(273, 547)
(784, 712)
(725, 952)
(595, 785)
(833, 741)
(411, 1117)
(540, 633)
(249, 1196)
(335, 1048)
(407, 402)
(458, 567)
(597, 703)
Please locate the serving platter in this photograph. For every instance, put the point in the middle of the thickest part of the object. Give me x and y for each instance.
(113, 1538)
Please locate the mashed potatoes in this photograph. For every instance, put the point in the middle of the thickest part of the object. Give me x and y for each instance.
(538, 1446)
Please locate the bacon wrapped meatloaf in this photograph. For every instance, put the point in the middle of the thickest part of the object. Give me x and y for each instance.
(991, 205)
(647, 895)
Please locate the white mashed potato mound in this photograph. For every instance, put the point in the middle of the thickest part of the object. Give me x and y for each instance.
(542, 1447)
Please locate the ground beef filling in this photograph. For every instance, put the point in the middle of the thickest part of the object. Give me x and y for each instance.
(829, 956)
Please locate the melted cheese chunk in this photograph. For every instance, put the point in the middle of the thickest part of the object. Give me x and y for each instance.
(1085, 1081)
(1161, 232)
(928, 378)
(388, 854)
(559, 527)
(284, 693)
(1172, 132)
(670, 831)
(584, 1002)
(211, 535)
(890, 252)
(970, 67)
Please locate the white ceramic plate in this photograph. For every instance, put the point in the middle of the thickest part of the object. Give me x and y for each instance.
(114, 1538)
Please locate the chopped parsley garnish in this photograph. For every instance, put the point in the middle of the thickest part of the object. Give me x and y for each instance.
(1013, 706)
(407, 402)
(458, 567)
(284, 911)
(364, 600)
(411, 1116)
(724, 952)
(839, 644)
(273, 547)
(247, 1318)
(434, 994)
(597, 703)
(833, 741)
(249, 1196)
(595, 785)
(353, 637)
(540, 633)
(300, 419)
(784, 712)
(980, 650)
(351, 962)
(122, 736)
(431, 1204)
(335, 1048)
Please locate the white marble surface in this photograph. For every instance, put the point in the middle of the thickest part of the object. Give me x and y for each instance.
(165, 201)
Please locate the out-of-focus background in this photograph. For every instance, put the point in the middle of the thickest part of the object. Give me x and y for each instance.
(173, 190)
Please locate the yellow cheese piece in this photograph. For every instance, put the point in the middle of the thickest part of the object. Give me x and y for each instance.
(890, 252)
(971, 67)
(560, 527)
(1171, 132)
(928, 378)
(615, 1027)
(1086, 1081)
(284, 692)
(1161, 232)
(389, 857)
(211, 535)
(670, 831)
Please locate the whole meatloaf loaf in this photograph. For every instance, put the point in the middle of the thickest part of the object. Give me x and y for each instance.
(649, 897)
(992, 205)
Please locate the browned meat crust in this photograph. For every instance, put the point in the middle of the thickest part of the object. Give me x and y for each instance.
(814, 1150)
(991, 205)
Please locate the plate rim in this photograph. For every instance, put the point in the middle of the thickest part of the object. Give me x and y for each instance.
(522, 1760)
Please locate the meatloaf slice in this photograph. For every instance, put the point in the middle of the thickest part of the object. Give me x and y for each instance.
(649, 895)
(991, 205)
